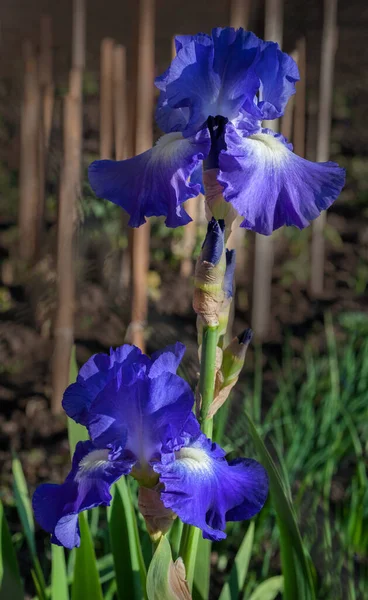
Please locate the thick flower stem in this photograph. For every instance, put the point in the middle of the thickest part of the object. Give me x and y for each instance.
(188, 551)
(207, 376)
(190, 535)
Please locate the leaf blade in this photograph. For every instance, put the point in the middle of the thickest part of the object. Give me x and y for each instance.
(128, 559)
(10, 581)
(86, 583)
(294, 557)
(235, 584)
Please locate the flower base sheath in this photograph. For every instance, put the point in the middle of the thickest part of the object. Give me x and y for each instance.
(213, 99)
(138, 413)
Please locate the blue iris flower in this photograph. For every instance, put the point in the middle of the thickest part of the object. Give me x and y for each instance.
(213, 98)
(138, 413)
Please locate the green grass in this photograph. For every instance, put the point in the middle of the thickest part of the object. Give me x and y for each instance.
(316, 429)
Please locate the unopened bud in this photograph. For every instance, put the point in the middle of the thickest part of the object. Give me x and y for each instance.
(234, 356)
(166, 580)
(209, 275)
(215, 203)
(228, 287)
(232, 364)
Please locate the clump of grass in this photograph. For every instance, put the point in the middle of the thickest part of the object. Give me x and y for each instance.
(316, 429)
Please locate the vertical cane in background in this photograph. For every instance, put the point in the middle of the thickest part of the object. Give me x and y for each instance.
(29, 153)
(263, 259)
(287, 121)
(106, 98)
(121, 139)
(70, 187)
(190, 230)
(46, 112)
(329, 43)
(239, 17)
(143, 141)
(299, 112)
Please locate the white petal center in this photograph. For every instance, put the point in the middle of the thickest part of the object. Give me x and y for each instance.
(92, 462)
(194, 459)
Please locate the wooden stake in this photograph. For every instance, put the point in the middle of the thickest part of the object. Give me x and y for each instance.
(288, 118)
(79, 34)
(239, 17)
(28, 218)
(67, 221)
(120, 103)
(263, 252)
(299, 113)
(106, 98)
(329, 44)
(143, 141)
(70, 188)
(122, 146)
(46, 112)
(190, 230)
(239, 13)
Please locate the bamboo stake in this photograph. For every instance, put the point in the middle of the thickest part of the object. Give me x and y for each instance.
(120, 103)
(190, 230)
(329, 44)
(46, 112)
(106, 98)
(29, 155)
(70, 188)
(143, 141)
(239, 17)
(239, 13)
(122, 145)
(288, 118)
(299, 113)
(263, 258)
(46, 82)
(79, 34)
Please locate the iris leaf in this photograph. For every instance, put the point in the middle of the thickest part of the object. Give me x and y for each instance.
(24, 508)
(268, 590)
(59, 580)
(10, 581)
(235, 584)
(297, 567)
(201, 581)
(86, 582)
(126, 549)
(76, 433)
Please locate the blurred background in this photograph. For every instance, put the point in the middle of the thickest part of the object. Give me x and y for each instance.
(76, 84)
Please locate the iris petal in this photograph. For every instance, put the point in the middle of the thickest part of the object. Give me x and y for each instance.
(270, 186)
(141, 415)
(204, 490)
(278, 73)
(93, 377)
(154, 183)
(209, 76)
(167, 360)
(56, 507)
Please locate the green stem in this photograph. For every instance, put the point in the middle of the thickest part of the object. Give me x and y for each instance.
(188, 551)
(207, 374)
(190, 535)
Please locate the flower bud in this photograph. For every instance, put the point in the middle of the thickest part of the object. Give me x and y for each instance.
(215, 203)
(228, 287)
(209, 275)
(158, 518)
(234, 356)
(165, 578)
(232, 364)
